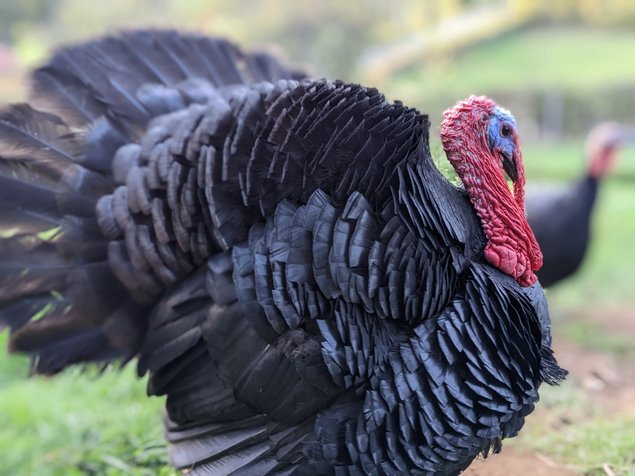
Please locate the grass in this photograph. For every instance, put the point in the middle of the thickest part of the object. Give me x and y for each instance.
(576, 432)
(572, 58)
(595, 337)
(593, 445)
(579, 435)
(80, 422)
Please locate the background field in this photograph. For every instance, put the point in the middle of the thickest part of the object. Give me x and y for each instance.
(87, 422)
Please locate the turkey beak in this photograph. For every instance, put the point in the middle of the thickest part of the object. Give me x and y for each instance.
(509, 165)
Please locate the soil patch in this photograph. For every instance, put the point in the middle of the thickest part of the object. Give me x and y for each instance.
(617, 319)
(516, 462)
(604, 378)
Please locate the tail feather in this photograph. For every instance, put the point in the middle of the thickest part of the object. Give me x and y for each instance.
(91, 345)
(102, 142)
(109, 76)
(80, 189)
(20, 281)
(33, 206)
(59, 295)
(82, 239)
(56, 288)
(56, 324)
(39, 198)
(38, 171)
(56, 88)
(26, 133)
(16, 313)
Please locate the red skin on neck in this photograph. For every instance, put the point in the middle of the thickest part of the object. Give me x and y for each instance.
(511, 245)
(602, 162)
(602, 146)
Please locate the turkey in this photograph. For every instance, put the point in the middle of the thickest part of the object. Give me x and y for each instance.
(279, 254)
(561, 218)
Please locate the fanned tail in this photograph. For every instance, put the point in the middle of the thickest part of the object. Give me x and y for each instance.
(131, 77)
(58, 295)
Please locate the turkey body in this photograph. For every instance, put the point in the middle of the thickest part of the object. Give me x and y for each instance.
(561, 221)
(280, 254)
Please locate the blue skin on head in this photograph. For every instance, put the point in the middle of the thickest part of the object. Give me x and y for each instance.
(501, 134)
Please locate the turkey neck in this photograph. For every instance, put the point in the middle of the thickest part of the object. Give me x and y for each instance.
(502, 214)
(588, 190)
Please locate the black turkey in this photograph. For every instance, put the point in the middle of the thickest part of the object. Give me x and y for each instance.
(280, 254)
(561, 217)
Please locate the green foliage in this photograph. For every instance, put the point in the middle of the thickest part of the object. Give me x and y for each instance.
(80, 422)
(329, 35)
(582, 62)
(578, 433)
(24, 11)
(588, 446)
(11, 368)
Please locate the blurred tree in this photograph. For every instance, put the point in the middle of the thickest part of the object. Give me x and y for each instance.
(13, 13)
(328, 34)
(594, 12)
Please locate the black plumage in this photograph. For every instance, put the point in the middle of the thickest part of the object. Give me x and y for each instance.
(281, 254)
(561, 221)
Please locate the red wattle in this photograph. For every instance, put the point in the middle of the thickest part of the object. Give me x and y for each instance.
(511, 246)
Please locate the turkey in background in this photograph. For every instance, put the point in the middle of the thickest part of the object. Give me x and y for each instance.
(561, 217)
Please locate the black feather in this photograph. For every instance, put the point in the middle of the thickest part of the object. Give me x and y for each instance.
(281, 254)
(561, 221)
(31, 137)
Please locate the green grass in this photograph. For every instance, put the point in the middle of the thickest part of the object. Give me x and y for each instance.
(595, 337)
(588, 446)
(577, 434)
(572, 58)
(78, 423)
(563, 161)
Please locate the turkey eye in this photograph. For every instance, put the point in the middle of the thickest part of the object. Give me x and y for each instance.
(506, 130)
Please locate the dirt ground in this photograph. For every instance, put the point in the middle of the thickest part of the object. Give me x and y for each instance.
(606, 380)
(516, 462)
